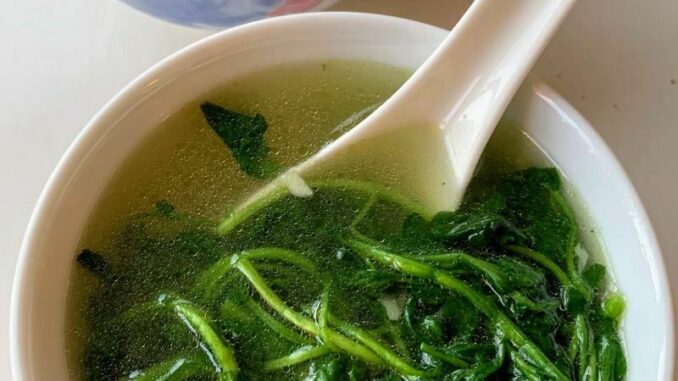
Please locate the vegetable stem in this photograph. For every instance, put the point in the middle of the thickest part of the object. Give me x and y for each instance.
(489, 269)
(363, 212)
(557, 199)
(542, 260)
(397, 339)
(591, 365)
(258, 282)
(390, 357)
(175, 369)
(233, 310)
(218, 352)
(276, 190)
(345, 344)
(581, 335)
(271, 193)
(321, 319)
(305, 353)
(209, 279)
(274, 324)
(440, 355)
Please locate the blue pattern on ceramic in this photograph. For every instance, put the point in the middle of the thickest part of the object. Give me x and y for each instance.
(206, 13)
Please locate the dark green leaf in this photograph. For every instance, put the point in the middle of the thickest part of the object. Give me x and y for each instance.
(244, 136)
(535, 203)
(332, 369)
(594, 275)
(575, 302)
(95, 264)
(611, 358)
(165, 208)
(520, 274)
(477, 228)
(480, 371)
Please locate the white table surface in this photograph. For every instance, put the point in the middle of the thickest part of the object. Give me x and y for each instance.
(614, 60)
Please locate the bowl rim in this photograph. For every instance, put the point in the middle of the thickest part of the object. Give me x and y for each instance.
(171, 65)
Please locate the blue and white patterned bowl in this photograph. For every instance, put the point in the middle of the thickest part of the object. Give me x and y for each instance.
(223, 13)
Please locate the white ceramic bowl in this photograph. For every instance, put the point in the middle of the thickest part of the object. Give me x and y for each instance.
(47, 256)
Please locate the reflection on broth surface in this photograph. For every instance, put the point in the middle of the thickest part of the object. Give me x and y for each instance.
(337, 278)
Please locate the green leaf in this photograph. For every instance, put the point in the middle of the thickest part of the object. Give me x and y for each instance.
(520, 274)
(611, 359)
(356, 371)
(332, 369)
(244, 136)
(522, 303)
(165, 208)
(472, 353)
(535, 203)
(481, 371)
(95, 264)
(477, 228)
(443, 355)
(372, 281)
(432, 328)
(594, 276)
(575, 302)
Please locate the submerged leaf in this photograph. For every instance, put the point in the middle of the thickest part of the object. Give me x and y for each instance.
(481, 370)
(244, 136)
(165, 208)
(95, 264)
(331, 369)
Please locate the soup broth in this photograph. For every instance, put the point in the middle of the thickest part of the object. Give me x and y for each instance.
(333, 278)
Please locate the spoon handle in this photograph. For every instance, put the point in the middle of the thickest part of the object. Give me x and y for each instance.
(468, 82)
(462, 89)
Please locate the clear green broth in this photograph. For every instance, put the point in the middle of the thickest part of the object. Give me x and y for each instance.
(162, 294)
(183, 161)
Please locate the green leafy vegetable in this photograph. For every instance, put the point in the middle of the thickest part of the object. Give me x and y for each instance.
(218, 351)
(244, 136)
(95, 264)
(356, 283)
